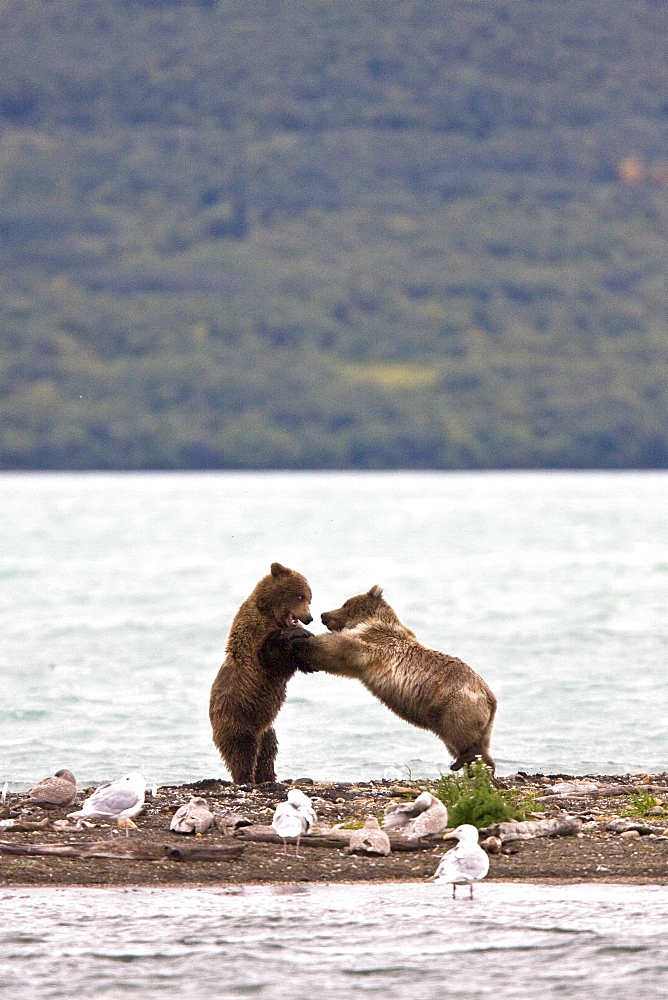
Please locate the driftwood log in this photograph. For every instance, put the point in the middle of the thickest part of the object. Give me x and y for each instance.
(332, 838)
(561, 826)
(601, 791)
(126, 852)
(25, 825)
(215, 852)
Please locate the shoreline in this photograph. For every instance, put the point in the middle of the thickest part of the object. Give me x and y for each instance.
(152, 856)
(303, 886)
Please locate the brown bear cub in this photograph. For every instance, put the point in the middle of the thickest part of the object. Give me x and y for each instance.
(251, 684)
(427, 688)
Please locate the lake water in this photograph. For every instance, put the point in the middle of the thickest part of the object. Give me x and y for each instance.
(389, 941)
(118, 591)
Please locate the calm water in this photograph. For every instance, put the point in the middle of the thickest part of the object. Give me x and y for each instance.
(392, 941)
(118, 590)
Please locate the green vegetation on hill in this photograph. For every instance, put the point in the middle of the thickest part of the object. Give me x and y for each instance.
(299, 233)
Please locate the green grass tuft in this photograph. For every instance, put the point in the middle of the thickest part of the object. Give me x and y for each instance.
(472, 797)
(641, 803)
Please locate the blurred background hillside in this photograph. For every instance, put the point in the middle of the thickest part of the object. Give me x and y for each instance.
(333, 233)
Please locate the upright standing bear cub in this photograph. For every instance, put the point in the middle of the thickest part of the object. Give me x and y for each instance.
(366, 640)
(251, 684)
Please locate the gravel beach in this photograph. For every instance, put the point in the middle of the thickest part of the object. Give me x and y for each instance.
(623, 837)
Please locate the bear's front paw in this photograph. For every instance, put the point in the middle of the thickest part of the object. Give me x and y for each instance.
(295, 633)
(300, 642)
(280, 655)
(307, 668)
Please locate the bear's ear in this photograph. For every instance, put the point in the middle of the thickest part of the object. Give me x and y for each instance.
(278, 570)
(375, 591)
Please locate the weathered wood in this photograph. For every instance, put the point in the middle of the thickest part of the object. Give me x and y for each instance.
(561, 826)
(333, 838)
(122, 851)
(38, 849)
(97, 849)
(623, 825)
(214, 852)
(602, 791)
(24, 825)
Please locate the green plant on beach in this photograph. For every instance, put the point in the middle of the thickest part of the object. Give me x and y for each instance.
(641, 803)
(472, 797)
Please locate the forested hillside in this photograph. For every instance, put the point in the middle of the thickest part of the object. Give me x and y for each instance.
(333, 233)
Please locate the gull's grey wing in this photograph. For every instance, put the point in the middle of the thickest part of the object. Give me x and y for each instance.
(445, 864)
(472, 865)
(113, 800)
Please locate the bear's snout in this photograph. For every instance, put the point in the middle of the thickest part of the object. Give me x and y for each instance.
(294, 618)
(330, 621)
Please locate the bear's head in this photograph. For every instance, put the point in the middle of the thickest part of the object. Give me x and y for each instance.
(284, 596)
(355, 610)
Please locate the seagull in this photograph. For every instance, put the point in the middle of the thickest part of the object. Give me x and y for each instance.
(294, 818)
(370, 839)
(3, 794)
(425, 815)
(118, 800)
(195, 817)
(464, 864)
(60, 790)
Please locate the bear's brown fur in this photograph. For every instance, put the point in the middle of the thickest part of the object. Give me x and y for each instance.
(251, 684)
(366, 640)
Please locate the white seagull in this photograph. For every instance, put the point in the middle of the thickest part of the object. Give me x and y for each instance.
(118, 800)
(195, 817)
(425, 815)
(464, 864)
(370, 839)
(294, 818)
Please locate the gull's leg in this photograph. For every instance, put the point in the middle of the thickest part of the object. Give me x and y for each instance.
(128, 824)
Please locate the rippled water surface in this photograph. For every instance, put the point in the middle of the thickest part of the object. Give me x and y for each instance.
(389, 941)
(118, 590)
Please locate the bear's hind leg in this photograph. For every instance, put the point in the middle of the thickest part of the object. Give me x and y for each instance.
(264, 765)
(239, 750)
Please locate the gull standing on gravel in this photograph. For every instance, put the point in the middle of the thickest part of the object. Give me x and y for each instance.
(118, 800)
(195, 817)
(425, 815)
(464, 864)
(60, 790)
(294, 818)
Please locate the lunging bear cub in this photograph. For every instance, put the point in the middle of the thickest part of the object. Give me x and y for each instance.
(431, 690)
(251, 684)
